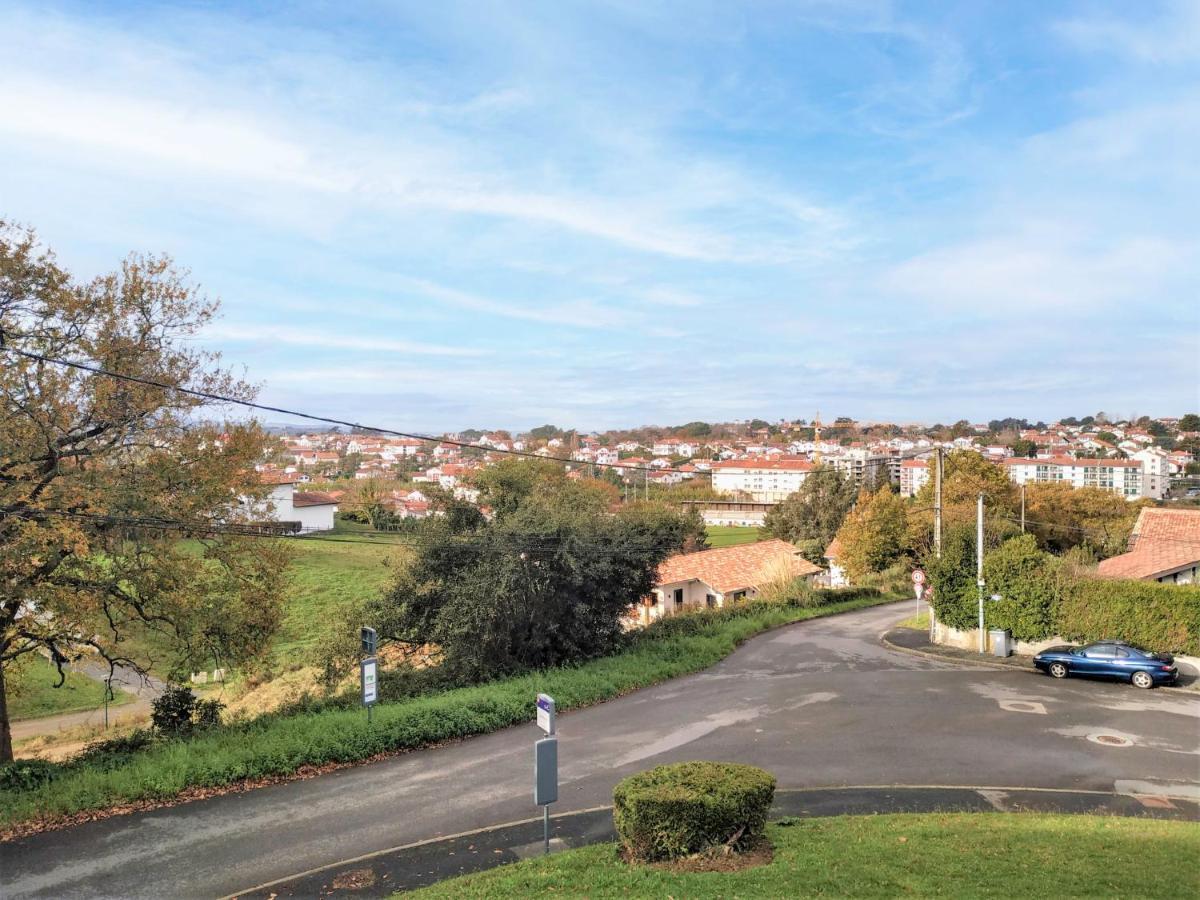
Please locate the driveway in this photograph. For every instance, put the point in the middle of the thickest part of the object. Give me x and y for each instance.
(820, 703)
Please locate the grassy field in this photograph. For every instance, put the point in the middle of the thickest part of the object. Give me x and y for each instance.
(930, 855)
(33, 694)
(729, 535)
(280, 745)
(327, 571)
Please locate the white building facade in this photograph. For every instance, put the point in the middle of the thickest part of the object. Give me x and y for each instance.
(767, 481)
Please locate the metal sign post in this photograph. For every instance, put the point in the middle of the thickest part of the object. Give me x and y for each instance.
(545, 765)
(369, 671)
(918, 580)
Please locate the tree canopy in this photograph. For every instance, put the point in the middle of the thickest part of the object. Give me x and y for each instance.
(873, 535)
(85, 460)
(811, 516)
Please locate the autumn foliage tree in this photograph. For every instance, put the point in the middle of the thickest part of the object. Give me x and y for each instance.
(89, 462)
(873, 535)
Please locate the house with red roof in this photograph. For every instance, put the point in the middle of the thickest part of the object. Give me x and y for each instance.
(712, 578)
(1164, 546)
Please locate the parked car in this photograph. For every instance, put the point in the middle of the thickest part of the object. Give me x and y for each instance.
(1109, 659)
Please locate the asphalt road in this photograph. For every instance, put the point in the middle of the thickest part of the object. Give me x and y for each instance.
(819, 703)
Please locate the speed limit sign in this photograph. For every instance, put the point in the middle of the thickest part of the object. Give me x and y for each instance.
(918, 576)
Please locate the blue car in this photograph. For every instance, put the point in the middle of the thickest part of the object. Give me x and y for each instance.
(1109, 659)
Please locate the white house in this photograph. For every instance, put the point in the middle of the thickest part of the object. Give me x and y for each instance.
(712, 578)
(313, 510)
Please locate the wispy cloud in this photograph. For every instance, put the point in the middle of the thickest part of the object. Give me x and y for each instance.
(273, 333)
(1172, 37)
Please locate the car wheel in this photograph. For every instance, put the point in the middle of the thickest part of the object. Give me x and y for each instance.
(1059, 670)
(1142, 680)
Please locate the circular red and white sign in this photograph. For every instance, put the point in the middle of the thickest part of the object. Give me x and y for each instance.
(918, 577)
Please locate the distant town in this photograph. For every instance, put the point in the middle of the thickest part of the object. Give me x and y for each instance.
(751, 465)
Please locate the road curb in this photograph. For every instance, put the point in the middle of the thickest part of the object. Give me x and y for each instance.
(1193, 688)
(420, 863)
(940, 657)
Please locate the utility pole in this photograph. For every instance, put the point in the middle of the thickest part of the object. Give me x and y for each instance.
(937, 527)
(979, 569)
(1022, 507)
(937, 503)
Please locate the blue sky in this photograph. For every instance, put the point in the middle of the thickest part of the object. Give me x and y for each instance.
(440, 215)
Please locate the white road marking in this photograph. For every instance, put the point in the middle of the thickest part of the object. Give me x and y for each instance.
(998, 799)
(1179, 790)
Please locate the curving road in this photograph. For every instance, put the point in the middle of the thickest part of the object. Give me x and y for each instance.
(819, 703)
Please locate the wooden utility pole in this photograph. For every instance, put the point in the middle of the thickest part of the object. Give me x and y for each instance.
(1022, 507)
(937, 503)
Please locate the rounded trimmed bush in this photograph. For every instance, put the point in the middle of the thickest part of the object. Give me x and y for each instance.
(681, 809)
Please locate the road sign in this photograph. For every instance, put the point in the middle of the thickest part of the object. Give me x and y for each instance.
(545, 713)
(545, 771)
(919, 590)
(370, 685)
(918, 576)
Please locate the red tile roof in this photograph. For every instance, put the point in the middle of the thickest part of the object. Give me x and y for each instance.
(1163, 540)
(736, 568)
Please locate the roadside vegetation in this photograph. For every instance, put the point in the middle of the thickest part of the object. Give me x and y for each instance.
(279, 745)
(34, 691)
(926, 855)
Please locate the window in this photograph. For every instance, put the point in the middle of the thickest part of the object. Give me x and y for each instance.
(1101, 651)
(710, 600)
(678, 596)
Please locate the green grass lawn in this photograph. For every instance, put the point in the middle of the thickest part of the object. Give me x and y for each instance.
(324, 574)
(928, 855)
(280, 745)
(920, 620)
(32, 693)
(729, 535)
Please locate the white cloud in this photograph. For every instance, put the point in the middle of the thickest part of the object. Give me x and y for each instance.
(1173, 37)
(1037, 269)
(304, 337)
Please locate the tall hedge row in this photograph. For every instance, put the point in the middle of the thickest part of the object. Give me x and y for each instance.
(1157, 616)
(1040, 598)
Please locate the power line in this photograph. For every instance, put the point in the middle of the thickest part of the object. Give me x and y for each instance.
(492, 542)
(218, 398)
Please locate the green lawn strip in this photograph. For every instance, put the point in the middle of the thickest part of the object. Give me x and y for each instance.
(921, 855)
(34, 693)
(731, 535)
(323, 575)
(279, 745)
(921, 620)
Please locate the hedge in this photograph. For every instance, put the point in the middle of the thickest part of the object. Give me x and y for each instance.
(1156, 616)
(685, 808)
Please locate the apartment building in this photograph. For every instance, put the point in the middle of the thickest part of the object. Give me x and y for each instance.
(914, 473)
(1121, 476)
(764, 480)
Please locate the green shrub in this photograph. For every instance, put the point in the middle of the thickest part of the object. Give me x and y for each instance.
(173, 709)
(685, 808)
(114, 752)
(1028, 580)
(826, 596)
(27, 774)
(1156, 616)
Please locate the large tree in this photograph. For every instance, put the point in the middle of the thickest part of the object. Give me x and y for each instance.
(546, 583)
(811, 516)
(89, 463)
(1062, 517)
(873, 535)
